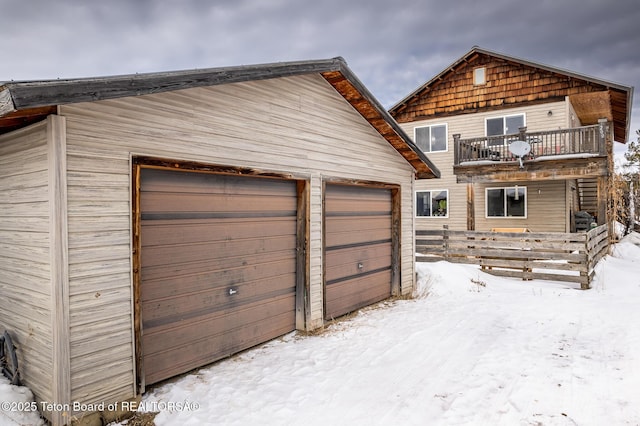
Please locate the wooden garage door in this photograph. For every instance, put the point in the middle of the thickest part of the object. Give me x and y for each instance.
(218, 258)
(358, 247)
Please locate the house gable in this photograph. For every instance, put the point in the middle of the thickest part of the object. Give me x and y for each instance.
(511, 82)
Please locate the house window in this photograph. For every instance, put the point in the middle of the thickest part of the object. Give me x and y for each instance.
(432, 203)
(479, 76)
(506, 125)
(507, 202)
(431, 138)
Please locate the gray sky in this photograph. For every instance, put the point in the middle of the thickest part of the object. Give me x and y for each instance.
(392, 46)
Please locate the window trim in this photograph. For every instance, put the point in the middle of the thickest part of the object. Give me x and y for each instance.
(486, 203)
(415, 198)
(504, 117)
(446, 137)
(476, 80)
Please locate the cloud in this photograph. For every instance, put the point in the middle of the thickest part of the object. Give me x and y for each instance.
(392, 46)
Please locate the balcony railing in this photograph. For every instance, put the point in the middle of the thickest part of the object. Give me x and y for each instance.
(563, 143)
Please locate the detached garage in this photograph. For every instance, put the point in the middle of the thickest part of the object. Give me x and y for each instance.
(154, 223)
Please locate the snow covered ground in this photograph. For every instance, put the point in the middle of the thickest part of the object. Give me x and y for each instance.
(470, 349)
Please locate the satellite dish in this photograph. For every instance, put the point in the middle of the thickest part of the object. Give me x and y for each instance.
(520, 149)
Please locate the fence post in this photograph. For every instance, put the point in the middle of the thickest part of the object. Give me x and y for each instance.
(585, 272)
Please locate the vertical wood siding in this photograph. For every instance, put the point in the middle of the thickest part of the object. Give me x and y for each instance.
(25, 273)
(473, 125)
(297, 124)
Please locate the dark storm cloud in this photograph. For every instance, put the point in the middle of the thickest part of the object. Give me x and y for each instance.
(393, 46)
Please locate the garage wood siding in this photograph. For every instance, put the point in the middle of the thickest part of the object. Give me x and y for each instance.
(99, 222)
(295, 124)
(358, 247)
(25, 273)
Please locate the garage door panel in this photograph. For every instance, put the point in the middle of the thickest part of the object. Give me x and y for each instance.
(184, 206)
(162, 287)
(347, 296)
(358, 247)
(191, 305)
(354, 261)
(166, 336)
(362, 224)
(375, 207)
(345, 238)
(156, 272)
(211, 347)
(176, 254)
(358, 194)
(197, 182)
(167, 232)
(218, 266)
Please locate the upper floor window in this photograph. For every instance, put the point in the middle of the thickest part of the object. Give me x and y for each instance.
(479, 76)
(432, 203)
(505, 125)
(431, 138)
(506, 202)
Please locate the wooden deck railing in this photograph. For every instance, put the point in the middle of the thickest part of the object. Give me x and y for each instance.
(553, 143)
(568, 257)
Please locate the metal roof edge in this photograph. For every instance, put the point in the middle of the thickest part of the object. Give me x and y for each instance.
(31, 94)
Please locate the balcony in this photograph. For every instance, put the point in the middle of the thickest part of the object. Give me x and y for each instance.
(572, 153)
(578, 141)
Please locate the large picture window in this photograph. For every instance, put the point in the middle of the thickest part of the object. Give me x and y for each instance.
(431, 138)
(506, 125)
(507, 202)
(432, 203)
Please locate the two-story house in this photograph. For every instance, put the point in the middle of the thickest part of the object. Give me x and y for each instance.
(519, 144)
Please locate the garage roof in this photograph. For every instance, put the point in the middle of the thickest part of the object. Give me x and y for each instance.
(26, 102)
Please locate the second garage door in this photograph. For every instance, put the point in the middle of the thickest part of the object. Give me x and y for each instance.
(358, 247)
(218, 267)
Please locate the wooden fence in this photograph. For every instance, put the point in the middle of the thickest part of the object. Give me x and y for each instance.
(527, 255)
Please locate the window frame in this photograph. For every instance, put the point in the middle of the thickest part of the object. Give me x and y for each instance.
(431, 216)
(504, 125)
(476, 80)
(430, 126)
(505, 206)
(504, 117)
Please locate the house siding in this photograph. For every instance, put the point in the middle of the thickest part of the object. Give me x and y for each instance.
(546, 207)
(537, 118)
(25, 268)
(298, 125)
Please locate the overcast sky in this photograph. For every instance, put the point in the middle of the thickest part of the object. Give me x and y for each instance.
(392, 46)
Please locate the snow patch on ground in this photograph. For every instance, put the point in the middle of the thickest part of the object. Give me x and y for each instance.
(14, 399)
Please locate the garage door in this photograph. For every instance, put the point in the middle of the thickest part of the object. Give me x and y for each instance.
(218, 259)
(358, 247)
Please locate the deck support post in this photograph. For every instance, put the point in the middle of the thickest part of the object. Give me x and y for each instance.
(471, 210)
